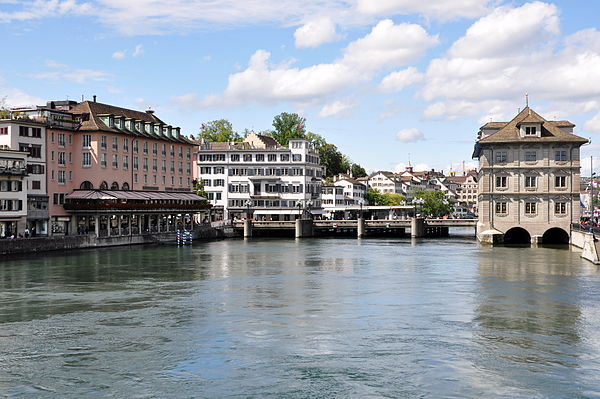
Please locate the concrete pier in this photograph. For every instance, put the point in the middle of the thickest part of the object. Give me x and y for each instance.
(304, 228)
(417, 227)
(360, 228)
(247, 228)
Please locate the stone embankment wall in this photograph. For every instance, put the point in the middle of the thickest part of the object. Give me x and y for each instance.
(588, 243)
(43, 244)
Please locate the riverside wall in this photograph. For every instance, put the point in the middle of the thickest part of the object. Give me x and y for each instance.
(57, 243)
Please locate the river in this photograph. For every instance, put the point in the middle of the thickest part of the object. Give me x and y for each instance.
(309, 318)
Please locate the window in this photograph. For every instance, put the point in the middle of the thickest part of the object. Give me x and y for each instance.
(103, 142)
(180, 152)
(145, 147)
(135, 163)
(560, 208)
(501, 208)
(115, 144)
(188, 155)
(272, 157)
(62, 159)
(284, 157)
(530, 208)
(164, 166)
(560, 181)
(115, 161)
(135, 146)
(86, 141)
(155, 165)
(125, 162)
(145, 164)
(61, 139)
(172, 169)
(205, 170)
(155, 148)
(37, 185)
(36, 132)
(501, 181)
(530, 131)
(125, 145)
(530, 181)
(87, 160)
(172, 152)
(247, 157)
(501, 156)
(59, 198)
(164, 180)
(3, 130)
(219, 182)
(164, 150)
(530, 156)
(23, 131)
(135, 177)
(235, 157)
(61, 177)
(103, 160)
(560, 155)
(218, 170)
(297, 157)
(260, 157)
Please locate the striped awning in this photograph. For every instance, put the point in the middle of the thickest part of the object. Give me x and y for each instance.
(132, 195)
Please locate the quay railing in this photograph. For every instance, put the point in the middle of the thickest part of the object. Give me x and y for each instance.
(585, 227)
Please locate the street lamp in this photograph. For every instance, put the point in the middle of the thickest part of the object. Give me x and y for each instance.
(416, 202)
(360, 202)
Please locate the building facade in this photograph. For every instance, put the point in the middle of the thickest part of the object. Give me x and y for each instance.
(528, 179)
(21, 133)
(13, 192)
(260, 176)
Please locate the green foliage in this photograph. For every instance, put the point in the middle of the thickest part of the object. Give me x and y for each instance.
(384, 199)
(288, 126)
(199, 188)
(435, 204)
(219, 130)
(358, 171)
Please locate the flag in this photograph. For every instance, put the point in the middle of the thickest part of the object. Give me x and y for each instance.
(300, 126)
(203, 127)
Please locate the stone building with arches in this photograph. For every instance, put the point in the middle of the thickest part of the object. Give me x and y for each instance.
(529, 171)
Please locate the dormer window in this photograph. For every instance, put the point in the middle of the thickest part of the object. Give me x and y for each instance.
(530, 131)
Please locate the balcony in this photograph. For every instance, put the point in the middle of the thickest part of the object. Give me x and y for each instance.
(16, 171)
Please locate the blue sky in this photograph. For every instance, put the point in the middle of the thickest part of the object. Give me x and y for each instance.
(380, 79)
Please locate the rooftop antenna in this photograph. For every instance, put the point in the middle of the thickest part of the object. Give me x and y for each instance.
(409, 159)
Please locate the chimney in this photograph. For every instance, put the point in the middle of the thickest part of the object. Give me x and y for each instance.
(94, 97)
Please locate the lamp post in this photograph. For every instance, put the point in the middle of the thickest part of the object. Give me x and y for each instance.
(360, 202)
(416, 202)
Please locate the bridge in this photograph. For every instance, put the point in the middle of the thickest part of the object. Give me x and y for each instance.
(419, 227)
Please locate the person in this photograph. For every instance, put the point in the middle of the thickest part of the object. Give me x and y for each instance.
(27, 232)
(33, 231)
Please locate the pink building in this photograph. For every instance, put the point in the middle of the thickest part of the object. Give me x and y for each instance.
(102, 154)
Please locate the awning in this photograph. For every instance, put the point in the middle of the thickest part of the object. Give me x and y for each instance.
(133, 195)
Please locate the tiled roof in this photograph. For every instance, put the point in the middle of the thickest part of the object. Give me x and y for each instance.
(94, 123)
(551, 131)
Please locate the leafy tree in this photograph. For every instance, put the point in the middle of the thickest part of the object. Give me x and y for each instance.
(219, 130)
(334, 161)
(288, 126)
(435, 203)
(4, 111)
(199, 188)
(383, 199)
(358, 171)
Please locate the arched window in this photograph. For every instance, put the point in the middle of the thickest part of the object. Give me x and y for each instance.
(114, 186)
(104, 186)
(125, 186)
(86, 185)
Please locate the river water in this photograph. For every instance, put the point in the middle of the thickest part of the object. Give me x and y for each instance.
(310, 318)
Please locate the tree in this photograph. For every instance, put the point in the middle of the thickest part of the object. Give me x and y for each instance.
(199, 188)
(435, 203)
(383, 199)
(358, 171)
(219, 130)
(288, 126)
(334, 161)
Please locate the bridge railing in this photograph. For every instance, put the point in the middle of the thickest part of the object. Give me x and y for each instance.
(585, 227)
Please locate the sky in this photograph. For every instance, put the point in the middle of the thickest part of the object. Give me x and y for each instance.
(387, 81)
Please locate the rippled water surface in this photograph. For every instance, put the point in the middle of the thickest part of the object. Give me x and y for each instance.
(329, 318)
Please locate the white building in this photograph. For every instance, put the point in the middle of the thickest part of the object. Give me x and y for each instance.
(28, 136)
(261, 176)
(13, 192)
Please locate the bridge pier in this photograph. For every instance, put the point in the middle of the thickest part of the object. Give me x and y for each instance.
(360, 228)
(247, 228)
(304, 228)
(417, 227)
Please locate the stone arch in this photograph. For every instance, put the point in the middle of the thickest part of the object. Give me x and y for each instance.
(103, 185)
(125, 186)
(517, 235)
(86, 185)
(555, 235)
(114, 186)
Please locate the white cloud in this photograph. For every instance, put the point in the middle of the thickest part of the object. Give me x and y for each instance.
(440, 9)
(118, 55)
(397, 81)
(316, 32)
(387, 45)
(12, 97)
(410, 135)
(37, 9)
(138, 50)
(593, 125)
(59, 72)
(507, 53)
(337, 109)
